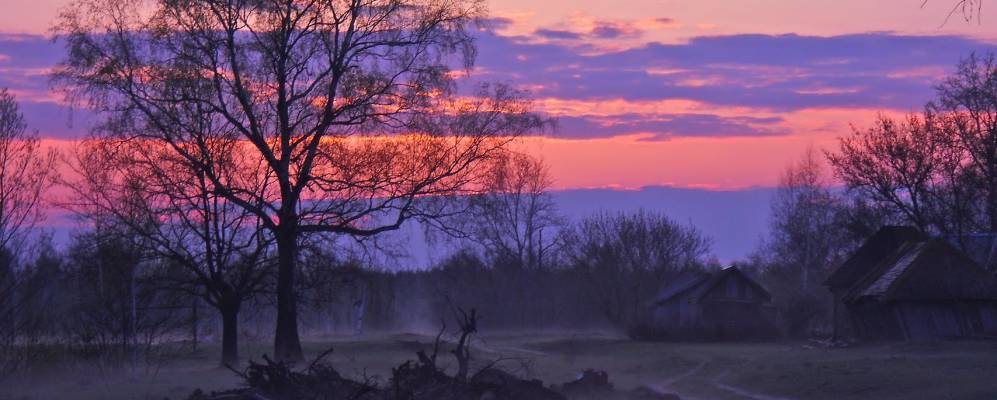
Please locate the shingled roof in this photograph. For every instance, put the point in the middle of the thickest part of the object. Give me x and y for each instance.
(900, 264)
(881, 245)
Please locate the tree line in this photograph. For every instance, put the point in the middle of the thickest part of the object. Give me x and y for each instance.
(240, 141)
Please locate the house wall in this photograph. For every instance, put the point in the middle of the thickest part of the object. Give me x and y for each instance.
(988, 318)
(875, 321)
(927, 320)
(843, 326)
(737, 320)
(924, 320)
(666, 315)
(732, 309)
(675, 318)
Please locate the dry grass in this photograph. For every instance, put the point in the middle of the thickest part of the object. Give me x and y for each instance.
(955, 370)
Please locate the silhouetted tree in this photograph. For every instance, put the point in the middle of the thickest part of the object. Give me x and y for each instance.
(157, 201)
(895, 163)
(342, 116)
(936, 170)
(26, 170)
(806, 230)
(513, 216)
(812, 228)
(25, 175)
(118, 310)
(968, 100)
(627, 258)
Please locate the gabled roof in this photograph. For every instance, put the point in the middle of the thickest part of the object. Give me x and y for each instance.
(698, 285)
(683, 283)
(883, 244)
(934, 270)
(887, 273)
(900, 264)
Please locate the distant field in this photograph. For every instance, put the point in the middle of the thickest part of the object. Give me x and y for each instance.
(764, 371)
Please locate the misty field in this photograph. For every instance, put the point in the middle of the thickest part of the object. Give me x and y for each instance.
(963, 370)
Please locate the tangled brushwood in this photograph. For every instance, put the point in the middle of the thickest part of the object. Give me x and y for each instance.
(420, 379)
(413, 380)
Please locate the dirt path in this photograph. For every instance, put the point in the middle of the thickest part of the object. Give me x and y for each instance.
(746, 393)
(666, 386)
(741, 391)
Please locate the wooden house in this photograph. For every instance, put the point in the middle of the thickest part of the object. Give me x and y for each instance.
(726, 304)
(903, 285)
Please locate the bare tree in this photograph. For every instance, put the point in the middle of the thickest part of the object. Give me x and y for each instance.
(937, 170)
(968, 100)
(26, 170)
(805, 228)
(174, 213)
(342, 115)
(25, 174)
(810, 233)
(117, 308)
(627, 257)
(896, 163)
(512, 217)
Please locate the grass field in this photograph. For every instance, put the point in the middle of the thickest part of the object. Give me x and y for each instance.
(765, 371)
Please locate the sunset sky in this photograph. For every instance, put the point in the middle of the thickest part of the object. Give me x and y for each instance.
(716, 95)
(703, 94)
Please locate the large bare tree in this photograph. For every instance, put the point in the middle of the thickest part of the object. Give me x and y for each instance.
(937, 169)
(895, 163)
(342, 115)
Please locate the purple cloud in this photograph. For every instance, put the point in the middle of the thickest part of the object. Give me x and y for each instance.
(776, 73)
(610, 31)
(603, 30)
(784, 72)
(667, 126)
(557, 34)
(24, 68)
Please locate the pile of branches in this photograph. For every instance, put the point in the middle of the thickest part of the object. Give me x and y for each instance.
(420, 379)
(273, 380)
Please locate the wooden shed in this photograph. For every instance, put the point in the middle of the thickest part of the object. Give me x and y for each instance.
(903, 285)
(726, 304)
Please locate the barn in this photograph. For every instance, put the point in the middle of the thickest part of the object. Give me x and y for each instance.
(719, 305)
(903, 285)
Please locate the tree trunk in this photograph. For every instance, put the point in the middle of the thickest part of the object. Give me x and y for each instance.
(992, 206)
(194, 324)
(230, 332)
(287, 344)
